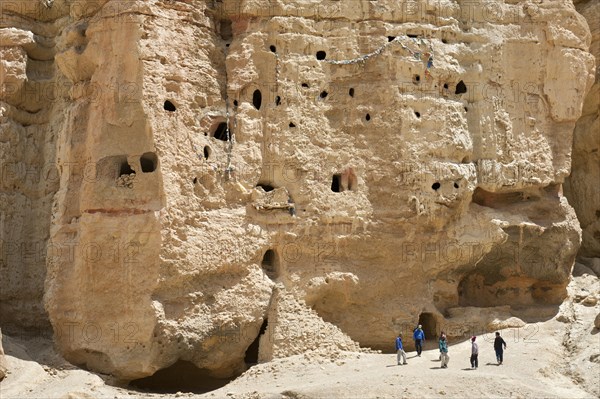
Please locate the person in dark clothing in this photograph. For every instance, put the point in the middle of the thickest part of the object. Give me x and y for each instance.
(419, 337)
(499, 346)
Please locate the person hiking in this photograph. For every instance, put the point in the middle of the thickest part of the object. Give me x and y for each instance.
(400, 350)
(442, 334)
(499, 346)
(474, 353)
(419, 337)
(444, 351)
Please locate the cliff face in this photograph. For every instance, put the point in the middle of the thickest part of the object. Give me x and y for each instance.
(582, 186)
(247, 182)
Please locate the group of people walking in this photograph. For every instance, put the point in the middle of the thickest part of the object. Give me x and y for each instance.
(419, 337)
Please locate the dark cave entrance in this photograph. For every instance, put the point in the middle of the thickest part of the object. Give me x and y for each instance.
(429, 323)
(270, 264)
(181, 376)
(251, 357)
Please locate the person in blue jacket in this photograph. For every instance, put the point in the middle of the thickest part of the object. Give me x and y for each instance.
(419, 337)
(400, 350)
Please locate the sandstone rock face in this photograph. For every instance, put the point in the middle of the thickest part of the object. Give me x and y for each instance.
(249, 182)
(582, 186)
(3, 365)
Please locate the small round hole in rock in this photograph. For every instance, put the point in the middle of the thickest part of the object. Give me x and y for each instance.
(195, 181)
(351, 92)
(444, 41)
(321, 55)
(206, 152)
(368, 117)
(257, 99)
(445, 85)
(417, 114)
(305, 85)
(435, 185)
(323, 94)
(169, 106)
(455, 185)
(292, 124)
(460, 88)
(273, 48)
(466, 109)
(148, 162)
(416, 79)
(235, 103)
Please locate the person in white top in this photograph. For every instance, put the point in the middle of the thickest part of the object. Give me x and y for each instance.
(474, 353)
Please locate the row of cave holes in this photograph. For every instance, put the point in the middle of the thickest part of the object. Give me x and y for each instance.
(257, 102)
(336, 184)
(436, 186)
(148, 163)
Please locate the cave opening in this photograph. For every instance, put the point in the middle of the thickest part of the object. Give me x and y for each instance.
(336, 185)
(321, 55)
(391, 38)
(251, 356)
(206, 152)
(270, 264)
(436, 185)
(273, 48)
(416, 79)
(169, 106)
(148, 162)
(182, 376)
(125, 168)
(351, 92)
(499, 200)
(266, 187)
(460, 88)
(257, 99)
(429, 324)
(222, 132)
(225, 30)
(368, 117)
(323, 94)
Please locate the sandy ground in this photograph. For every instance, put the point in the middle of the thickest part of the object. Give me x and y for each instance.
(551, 359)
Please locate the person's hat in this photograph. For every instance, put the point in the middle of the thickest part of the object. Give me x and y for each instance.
(473, 338)
(420, 326)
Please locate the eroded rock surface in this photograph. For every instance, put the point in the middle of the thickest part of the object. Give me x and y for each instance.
(582, 186)
(385, 165)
